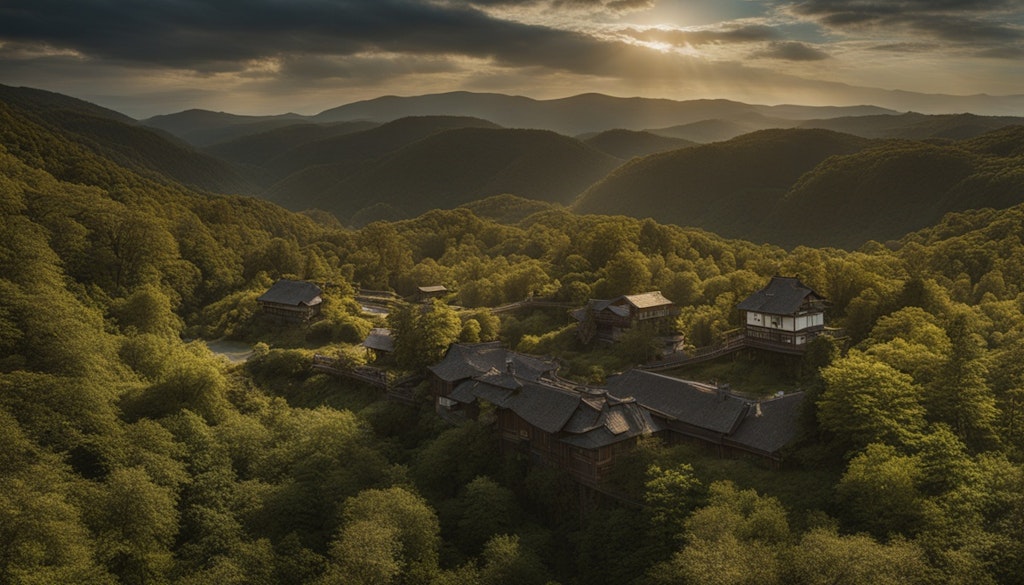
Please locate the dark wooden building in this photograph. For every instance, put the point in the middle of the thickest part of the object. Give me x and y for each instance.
(732, 425)
(426, 293)
(292, 300)
(379, 342)
(583, 430)
(464, 361)
(607, 320)
(575, 430)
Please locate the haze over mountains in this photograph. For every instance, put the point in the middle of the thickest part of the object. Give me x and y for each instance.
(788, 175)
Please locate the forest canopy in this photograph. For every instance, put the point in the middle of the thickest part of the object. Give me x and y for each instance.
(132, 454)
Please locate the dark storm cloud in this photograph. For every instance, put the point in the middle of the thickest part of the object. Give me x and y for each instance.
(223, 34)
(745, 34)
(610, 5)
(978, 22)
(792, 51)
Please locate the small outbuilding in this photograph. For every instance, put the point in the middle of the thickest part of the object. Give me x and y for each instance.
(425, 293)
(379, 342)
(292, 300)
(607, 320)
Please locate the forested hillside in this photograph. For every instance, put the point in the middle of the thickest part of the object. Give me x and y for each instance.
(814, 187)
(131, 455)
(727, 187)
(444, 170)
(113, 137)
(627, 144)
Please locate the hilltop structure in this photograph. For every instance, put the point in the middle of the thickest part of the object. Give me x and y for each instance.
(292, 301)
(785, 312)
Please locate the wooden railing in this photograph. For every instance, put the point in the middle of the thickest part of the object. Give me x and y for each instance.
(531, 302)
(401, 389)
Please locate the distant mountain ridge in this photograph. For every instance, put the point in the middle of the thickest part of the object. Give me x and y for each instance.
(577, 114)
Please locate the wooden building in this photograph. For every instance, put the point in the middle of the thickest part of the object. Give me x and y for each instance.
(464, 361)
(292, 301)
(379, 342)
(426, 293)
(582, 430)
(607, 320)
(785, 312)
(575, 430)
(732, 425)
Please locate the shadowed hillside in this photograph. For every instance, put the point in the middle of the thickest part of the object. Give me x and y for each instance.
(366, 145)
(816, 187)
(454, 167)
(916, 126)
(627, 144)
(726, 187)
(895, 187)
(203, 127)
(257, 149)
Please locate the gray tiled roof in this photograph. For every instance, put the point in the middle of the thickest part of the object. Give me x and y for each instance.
(617, 422)
(777, 425)
(468, 360)
(292, 292)
(782, 296)
(679, 400)
(380, 339)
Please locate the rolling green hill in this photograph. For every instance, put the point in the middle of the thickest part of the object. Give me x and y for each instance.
(915, 126)
(627, 144)
(451, 168)
(204, 128)
(366, 145)
(896, 187)
(114, 137)
(816, 187)
(257, 149)
(725, 187)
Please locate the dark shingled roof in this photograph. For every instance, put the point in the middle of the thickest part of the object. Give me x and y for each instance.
(680, 400)
(782, 296)
(380, 339)
(616, 421)
(469, 360)
(583, 420)
(292, 292)
(776, 426)
(546, 407)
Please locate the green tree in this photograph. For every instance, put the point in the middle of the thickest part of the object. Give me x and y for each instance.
(960, 396)
(394, 514)
(879, 492)
(670, 495)
(423, 333)
(486, 509)
(824, 557)
(866, 401)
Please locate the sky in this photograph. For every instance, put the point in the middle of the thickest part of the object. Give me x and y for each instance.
(148, 57)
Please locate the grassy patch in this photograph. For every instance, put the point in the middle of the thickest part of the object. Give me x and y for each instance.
(755, 372)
